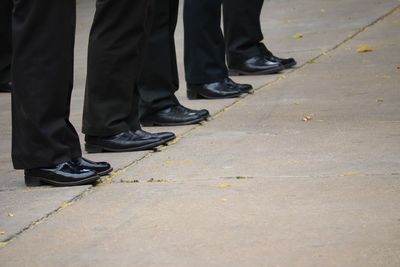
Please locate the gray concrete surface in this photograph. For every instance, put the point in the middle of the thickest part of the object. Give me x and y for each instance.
(256, 185)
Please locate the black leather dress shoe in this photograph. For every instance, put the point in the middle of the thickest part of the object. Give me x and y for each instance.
(213, 90)
(286, 62)
(164, 136)
(64, 174)
(101, 168)
(243, 87)
(173, 116)
(257, 65)
(125, 141)
(5, 87)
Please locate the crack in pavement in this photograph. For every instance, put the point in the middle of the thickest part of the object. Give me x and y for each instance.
(244, 177)
(65, 204)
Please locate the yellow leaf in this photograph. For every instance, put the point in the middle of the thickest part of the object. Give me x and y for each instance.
(308, 117)
(364, 49)
(65, 205)
(224, 185)
(298, 36)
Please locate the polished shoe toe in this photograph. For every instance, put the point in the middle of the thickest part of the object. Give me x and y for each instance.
(215, 90)
(202, 112)
(163, 136)
(286, 62)
(122, 142)
(258, 65)
(101, 168)
(243, 87)
(64, 174)
(173, 116)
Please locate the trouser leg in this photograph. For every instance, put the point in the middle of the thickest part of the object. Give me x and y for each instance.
(116, 48)
(5, 43)
(159, 79)
(42, 72)
(242, 28)
(204, 42)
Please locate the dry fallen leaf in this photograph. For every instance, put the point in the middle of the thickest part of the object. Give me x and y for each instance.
(379, 100)
(65, 205)
(308, 117)
(224, 185)
(3, 244)
(10, 215)
(364, 49)
(2, 232)
(298, 36)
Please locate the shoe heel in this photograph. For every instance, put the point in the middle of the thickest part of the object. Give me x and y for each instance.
(32, 181)
(192, 95)
(93, 148)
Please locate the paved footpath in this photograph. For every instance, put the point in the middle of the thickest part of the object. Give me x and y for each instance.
(305, 172)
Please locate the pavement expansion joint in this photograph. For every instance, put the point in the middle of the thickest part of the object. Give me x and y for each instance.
(346, 175)
(63, 206)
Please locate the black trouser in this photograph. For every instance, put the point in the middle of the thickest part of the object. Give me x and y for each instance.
(159, 79)
(5, 40)
(205, 45)
(116, 48)
(242, 29)
(42, 73)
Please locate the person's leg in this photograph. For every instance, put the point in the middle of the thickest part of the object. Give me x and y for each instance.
(44, 142)
(5, 44)
(159, 79)
(204, 42)
(204, 56)
(42, 76)
(116, 48)
(242, 29)
(246, 53)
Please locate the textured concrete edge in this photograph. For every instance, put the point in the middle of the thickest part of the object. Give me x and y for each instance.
(111, 178)
(64, 205)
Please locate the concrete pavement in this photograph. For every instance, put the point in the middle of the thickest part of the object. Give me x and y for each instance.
(255, 186)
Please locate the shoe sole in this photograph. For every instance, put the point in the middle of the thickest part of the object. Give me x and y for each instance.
(193, 95)
(90, 148)
(33, 181)
(155, 123)
(169, 139)
(105, 172)
(235, 72)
